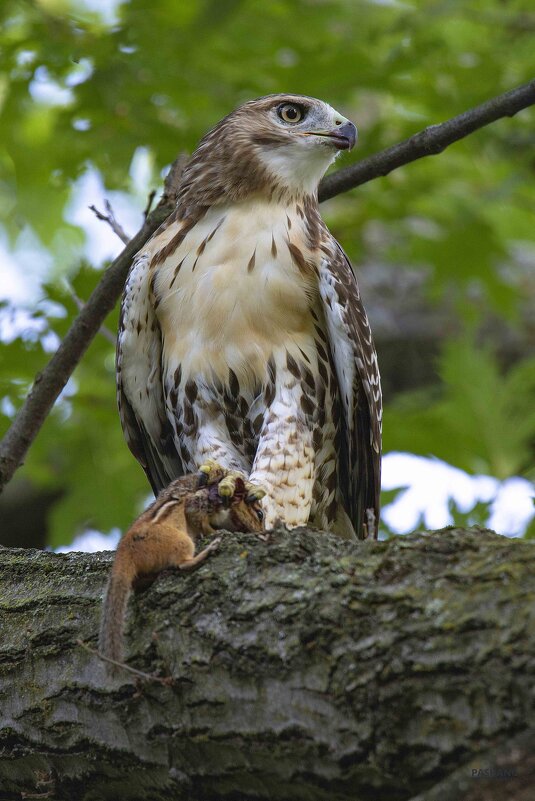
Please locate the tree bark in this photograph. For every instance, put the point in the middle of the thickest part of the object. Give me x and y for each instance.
(303, 668)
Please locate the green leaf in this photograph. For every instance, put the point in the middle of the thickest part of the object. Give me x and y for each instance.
(483, 419)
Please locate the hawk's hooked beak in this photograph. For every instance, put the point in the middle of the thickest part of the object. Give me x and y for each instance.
(343, 136)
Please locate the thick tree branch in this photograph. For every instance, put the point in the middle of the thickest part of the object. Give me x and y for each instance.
(52, 380)
(304, 668)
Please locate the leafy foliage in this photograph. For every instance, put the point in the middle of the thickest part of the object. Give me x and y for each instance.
(77, 90)
(478, 419)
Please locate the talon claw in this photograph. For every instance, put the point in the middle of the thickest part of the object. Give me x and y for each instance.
(254, 492)
(208, 466)
(208, 472)
(227, 487)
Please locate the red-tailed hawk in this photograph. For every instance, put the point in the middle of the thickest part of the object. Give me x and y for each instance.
(243, 337)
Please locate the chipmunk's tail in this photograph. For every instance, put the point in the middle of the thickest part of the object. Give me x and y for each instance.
(112, 621)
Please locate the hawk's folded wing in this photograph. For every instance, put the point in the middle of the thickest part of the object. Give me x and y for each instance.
(355, 361)
(139, 382)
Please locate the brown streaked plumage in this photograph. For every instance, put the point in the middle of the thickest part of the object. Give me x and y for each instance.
(243, 336)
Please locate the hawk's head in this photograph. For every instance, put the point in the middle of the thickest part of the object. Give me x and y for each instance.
(284, 142)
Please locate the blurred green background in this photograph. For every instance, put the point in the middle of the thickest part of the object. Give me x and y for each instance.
(444, 248)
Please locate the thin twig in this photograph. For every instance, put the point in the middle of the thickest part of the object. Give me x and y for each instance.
(150, 201)
(110, 218)
(50, 382)
(165, 680)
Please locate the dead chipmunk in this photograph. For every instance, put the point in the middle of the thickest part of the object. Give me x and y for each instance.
(164, 536)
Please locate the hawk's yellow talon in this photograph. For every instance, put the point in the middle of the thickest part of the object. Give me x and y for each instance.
(210, 472)
(227, 487)
(208, 466)
(255, 494)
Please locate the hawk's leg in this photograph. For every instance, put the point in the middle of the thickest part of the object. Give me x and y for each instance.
(284, 466)
(212, 444)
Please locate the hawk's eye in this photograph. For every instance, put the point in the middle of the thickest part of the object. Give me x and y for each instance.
(259, 514)
(290, 112)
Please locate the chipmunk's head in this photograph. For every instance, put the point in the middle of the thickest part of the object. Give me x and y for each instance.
(240, 507)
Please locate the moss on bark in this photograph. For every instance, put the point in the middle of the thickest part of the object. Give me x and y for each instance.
(304, 668)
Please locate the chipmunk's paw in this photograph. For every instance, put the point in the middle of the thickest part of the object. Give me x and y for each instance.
(214, 545)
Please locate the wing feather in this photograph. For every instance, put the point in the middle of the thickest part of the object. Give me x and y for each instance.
(139, 382)
(357, 372)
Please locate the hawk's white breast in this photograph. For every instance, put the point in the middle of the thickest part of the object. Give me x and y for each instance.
(237, 294)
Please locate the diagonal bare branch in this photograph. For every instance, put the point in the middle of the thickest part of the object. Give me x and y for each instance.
(50, 382)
